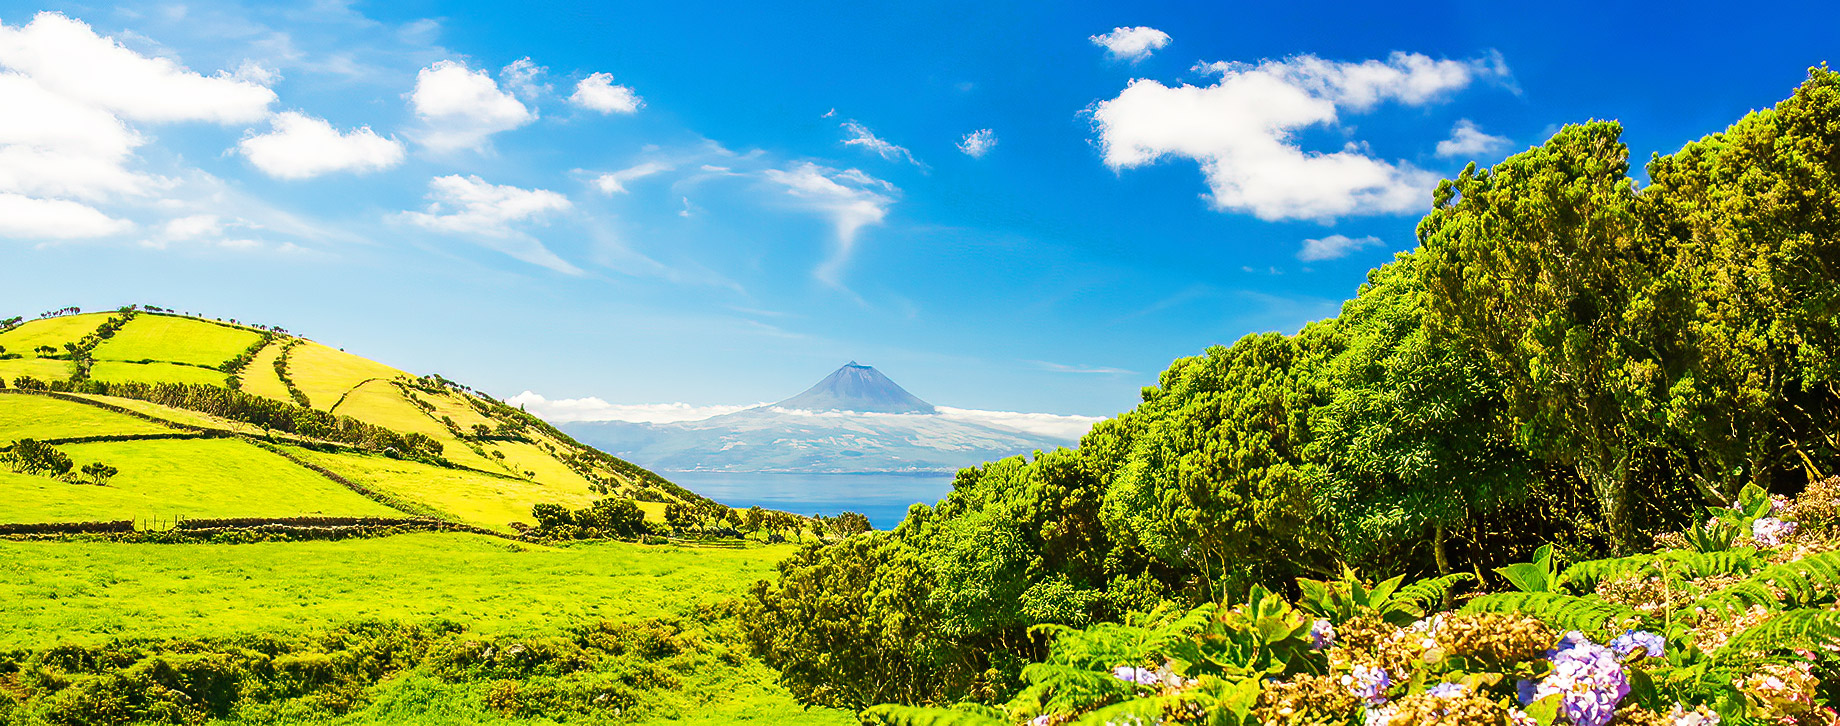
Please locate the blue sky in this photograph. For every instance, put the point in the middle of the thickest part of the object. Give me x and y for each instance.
(717, 204)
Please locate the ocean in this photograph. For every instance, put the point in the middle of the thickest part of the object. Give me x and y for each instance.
(884, 498)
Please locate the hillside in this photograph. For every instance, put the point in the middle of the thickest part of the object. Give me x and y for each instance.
(214, 419)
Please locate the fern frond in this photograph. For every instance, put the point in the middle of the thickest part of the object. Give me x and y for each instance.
(1588, 614)
(960, 715)
(1811, 630)
(1585, 576)
(1134, 711)
(1433, 592)
(1812, 579)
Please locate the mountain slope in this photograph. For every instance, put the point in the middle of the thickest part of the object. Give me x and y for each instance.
(269, 424)
(856, 420)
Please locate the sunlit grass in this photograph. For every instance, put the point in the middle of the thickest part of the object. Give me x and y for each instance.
(259, 376)
(484, 500)
(44, 417)
(54, 332)
(43, 369)
(164, 479)
(120, 372)
(175, 339)
(325, 374)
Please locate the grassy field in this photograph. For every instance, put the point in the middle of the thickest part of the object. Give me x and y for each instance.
(182, 478)
(93, 593)
(44, 369)
(54, 332)
(44, 417)
(90, 592)
(325, 374)
(176, 415)
(109, 371)
(175, 339)
(259, 376)
(487, 501)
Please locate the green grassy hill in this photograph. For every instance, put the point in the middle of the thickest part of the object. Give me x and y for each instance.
(340, 591)
(493, 463)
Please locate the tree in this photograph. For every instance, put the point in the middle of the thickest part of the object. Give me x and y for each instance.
(29, 456)
(1531, 266)
(99, 473)
(850, 523)
(753, 518)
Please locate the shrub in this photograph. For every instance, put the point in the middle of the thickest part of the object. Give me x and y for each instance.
(29, 456)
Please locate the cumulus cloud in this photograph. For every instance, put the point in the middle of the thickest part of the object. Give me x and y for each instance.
(24, 217)
(490, 213)
(978, 143)
(1050, 425)
(523, 78)
(851, 199)
(859, 135)
(598, 92)
(301, 146)
(569, 410)
(1467, 139)
(67, 99)
(68, 58)
(1242, 131)
(1333, 247)
(461, 108)
(615, 182)
(1131, 44)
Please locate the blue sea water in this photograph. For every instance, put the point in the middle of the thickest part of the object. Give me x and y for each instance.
(884, 498)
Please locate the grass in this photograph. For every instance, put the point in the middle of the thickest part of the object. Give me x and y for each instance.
(182, 478)
(110, 371)
(44, 417)
(472, 497)
(525, 457)
(44, 369)
(176, 415)
(54, 332)
(89, 592)
(259, 376)
(325, 374)
(175, 339)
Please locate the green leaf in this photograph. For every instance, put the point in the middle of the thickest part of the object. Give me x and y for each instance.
(1526, 577)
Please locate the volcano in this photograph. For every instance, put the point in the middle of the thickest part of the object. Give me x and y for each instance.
(857, 388)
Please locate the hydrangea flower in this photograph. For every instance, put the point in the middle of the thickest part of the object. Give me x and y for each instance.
(1322, 635)
(1134, 674)
(1588, 678)
(1446, 690)
(1379, 716)
(1368, 683)
(1770, 531)
(1651, 643)
(1517, 717)
(1699, 716)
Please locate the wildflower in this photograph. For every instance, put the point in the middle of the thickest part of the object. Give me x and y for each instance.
(1699, 716)
(1134, 674)
(1651, 644)
(1322, 635)
(1368, 683)
(1587, 677)
(1771, 532)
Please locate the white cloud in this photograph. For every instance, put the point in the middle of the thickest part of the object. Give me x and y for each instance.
(597, 92)
(615, 182)
(300, 146)
(66, 57)
(1131, 44)
(1082, 370)
(470, 206)
(22, 217)
(192, 227)
(978, 143)
(1050, 425)
(522, 77)
(850, 198)
(1467, 139)
(569, 410)
(859, 135)
(1333, 247)
(461, 107)
(1242, 131)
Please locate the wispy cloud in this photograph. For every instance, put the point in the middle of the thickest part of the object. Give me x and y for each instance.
(859, 135)
(491, 214)
(1467, 139)
(1080, 369)
(978, 143)
(1334, 247)
(1049, 425)
(571, 410)
(850, 198)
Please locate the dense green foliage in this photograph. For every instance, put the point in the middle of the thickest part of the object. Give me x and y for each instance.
(1568, 357)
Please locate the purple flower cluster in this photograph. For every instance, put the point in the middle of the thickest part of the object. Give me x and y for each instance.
(1322, 634)
(1368, 683)
(1134, 674)
(1588, 678)
(1651, 643)
(1446, 690)
(1770, 531)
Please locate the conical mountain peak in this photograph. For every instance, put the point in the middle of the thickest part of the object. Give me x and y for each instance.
(857, 388)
